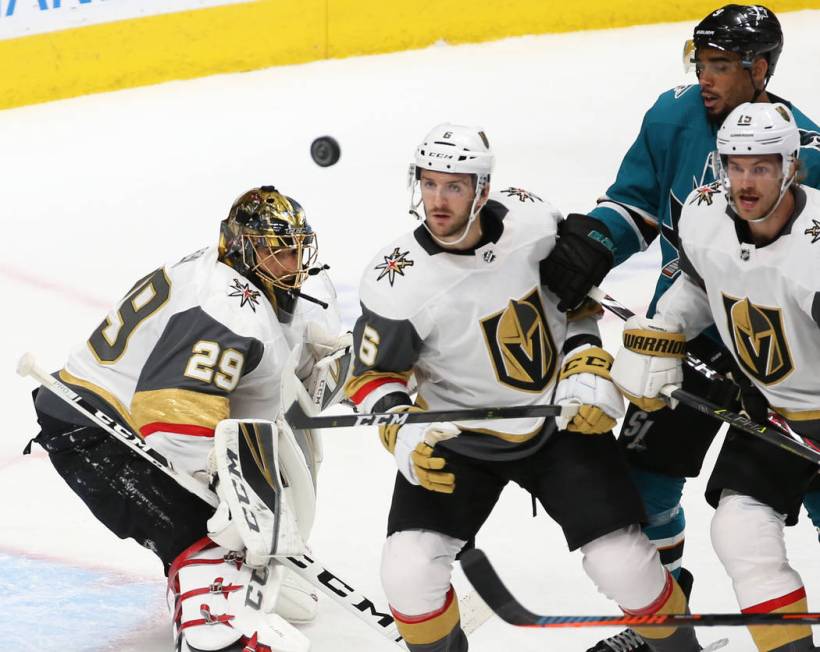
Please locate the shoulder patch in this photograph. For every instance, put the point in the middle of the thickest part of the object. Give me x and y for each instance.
(393, 265)
(809, 139)
(247, 295)
(521, 194)
(813, 231)
(705, 194)
(680, 90)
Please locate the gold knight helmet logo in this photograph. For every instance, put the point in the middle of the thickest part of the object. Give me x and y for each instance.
(759, 339)
(520, 344)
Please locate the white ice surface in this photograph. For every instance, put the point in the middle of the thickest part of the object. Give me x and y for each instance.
(99, 190)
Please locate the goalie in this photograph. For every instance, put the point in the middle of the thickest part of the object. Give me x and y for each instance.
(193, 358)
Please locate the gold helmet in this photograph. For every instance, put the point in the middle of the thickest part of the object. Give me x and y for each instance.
(267, 239)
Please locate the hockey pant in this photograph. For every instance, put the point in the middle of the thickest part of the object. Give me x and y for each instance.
(125, 492)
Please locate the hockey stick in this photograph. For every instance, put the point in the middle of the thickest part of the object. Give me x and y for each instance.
(27, 366)
(298, 418)
(315, 573)
(486, 581)
(340, 591)
(776, 431)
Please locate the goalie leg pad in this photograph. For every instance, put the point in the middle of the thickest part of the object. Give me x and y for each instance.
(253, 485)
(218, 602)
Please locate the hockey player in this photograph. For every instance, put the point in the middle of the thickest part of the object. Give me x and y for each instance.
(459, 304)
(193, 346)
(749, 265)
(734, 52)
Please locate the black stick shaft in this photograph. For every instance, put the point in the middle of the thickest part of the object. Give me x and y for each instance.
(776, 432)
(297, 417)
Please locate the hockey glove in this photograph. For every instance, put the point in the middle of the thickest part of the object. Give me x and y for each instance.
(413, 447)
(649, 360)
(327, 365)
(582, 256)
(584, 380)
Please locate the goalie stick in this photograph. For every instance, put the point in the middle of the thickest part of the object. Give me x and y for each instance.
(489, 586)
(376, 616)
(776, 431)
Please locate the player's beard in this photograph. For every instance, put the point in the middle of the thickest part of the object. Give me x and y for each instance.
(449, 231)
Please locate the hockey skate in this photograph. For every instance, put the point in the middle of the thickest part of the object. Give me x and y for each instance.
(220, 603)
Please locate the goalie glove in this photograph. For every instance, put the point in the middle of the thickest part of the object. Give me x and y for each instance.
(328, 365)
(649, 360)
(413, 447)
(584, 381)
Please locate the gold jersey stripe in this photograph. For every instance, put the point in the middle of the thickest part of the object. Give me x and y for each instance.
(181, 406)
(798, 415)
(104, 394)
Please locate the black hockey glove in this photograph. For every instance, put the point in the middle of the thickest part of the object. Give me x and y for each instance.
(582, 256)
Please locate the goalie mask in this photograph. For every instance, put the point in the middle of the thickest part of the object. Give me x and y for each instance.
(453, 149)
(758, 129)
(267, 239)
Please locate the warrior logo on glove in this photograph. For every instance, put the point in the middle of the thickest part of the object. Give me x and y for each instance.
(521, 345)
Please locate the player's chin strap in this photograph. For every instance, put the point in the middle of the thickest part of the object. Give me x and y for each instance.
(474, 211)
(783, 190)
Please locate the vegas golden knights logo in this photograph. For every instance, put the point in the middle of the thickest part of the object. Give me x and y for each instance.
(758, 339)
(520, 344)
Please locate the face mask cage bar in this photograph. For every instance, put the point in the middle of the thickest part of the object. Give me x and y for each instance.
(259, 251)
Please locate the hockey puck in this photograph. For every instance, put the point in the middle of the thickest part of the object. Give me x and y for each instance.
(325, 151)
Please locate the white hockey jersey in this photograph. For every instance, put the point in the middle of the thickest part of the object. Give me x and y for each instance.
(764, 300)
(476, 327)
(192, 343)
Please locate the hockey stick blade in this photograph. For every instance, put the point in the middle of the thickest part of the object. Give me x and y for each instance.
(489, 586)
(777, 431)
(298, 418)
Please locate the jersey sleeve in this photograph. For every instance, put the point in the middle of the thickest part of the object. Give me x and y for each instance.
(386, 351)
(685, 303)
(187, 379)
(809, 149)
(631, 205)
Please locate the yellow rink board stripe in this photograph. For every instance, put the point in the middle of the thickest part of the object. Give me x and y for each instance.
(266, 33)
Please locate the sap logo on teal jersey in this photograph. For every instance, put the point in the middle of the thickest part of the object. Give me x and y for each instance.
(680, 90)
(810, 139)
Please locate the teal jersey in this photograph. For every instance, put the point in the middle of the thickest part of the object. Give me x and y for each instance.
(669, 159)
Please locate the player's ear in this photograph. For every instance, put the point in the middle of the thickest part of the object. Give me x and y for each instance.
(760, 68)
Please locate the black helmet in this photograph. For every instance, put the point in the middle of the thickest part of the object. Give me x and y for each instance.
(261, 222)
(749, 30)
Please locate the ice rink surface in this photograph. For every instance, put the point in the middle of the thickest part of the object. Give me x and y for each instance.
(98, 191)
